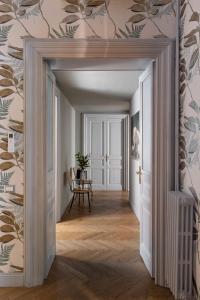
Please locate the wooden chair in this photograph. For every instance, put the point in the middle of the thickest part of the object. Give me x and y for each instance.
(88, 184)
(77, 190)
(84, 183)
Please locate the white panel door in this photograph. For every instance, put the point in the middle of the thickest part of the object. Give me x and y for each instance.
(96, 149)
(103, 142)
(50, 169)
(146, 92)
(114, 155)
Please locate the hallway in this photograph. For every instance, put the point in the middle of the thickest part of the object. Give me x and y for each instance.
(97, 257)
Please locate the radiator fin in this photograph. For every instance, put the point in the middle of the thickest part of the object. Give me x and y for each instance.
(179, 227)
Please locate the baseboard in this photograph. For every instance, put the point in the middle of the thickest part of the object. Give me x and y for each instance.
(12, 280)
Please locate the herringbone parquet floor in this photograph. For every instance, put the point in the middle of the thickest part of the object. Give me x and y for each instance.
(97, 257)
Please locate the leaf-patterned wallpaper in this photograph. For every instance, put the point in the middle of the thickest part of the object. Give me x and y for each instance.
(189, 138)
(54, 19)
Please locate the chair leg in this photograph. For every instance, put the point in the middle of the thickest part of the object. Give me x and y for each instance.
(71, 203)
(89, 202)
(79, 203)
(91, 191)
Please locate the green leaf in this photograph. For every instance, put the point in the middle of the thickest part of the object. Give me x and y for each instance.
(4, 108)
(193, 146)
(193, 104)
(190, 124)
(5, 254)
(4, 180)
(70, 31)
(137, 30)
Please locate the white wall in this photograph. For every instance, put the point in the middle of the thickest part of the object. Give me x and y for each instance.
(134, 187)
(78, 138)
(67, 119)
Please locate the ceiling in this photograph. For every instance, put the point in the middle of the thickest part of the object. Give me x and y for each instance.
(99, 90)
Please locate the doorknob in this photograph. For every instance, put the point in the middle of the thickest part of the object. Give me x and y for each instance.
(139, 173)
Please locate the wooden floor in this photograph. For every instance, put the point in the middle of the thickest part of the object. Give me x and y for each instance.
(97, 257)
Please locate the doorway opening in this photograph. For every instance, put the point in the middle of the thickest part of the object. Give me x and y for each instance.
(101, 131)
(92, 111)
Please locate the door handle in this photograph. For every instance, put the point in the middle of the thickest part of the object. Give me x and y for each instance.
(107, 157)
(139, 173)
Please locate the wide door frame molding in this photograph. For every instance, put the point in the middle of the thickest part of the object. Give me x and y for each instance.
(125, 117)
(38, 50)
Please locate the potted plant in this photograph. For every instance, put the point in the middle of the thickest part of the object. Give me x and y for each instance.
(83, 163)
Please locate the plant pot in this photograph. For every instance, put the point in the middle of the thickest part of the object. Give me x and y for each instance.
(83, 175)
(78, 174)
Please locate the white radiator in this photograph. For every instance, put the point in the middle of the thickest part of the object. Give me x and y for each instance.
(179, 232)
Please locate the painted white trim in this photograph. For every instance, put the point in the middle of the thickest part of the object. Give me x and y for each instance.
(99, 64)
(35, 52)
(126, 153)
(11, 280)
(177, 95)
(58, 156)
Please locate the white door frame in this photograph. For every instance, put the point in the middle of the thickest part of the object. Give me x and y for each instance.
(58, 150)
(38, 50)
(125, 117)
